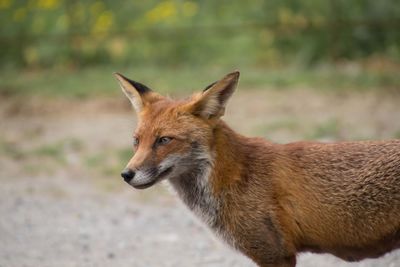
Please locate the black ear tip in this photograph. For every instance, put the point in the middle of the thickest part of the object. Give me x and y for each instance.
(141, 88)
(119, 76)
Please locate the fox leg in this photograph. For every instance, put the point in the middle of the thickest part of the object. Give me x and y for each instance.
(286, 262)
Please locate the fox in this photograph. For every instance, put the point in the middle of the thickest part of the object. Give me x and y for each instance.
(267, 200)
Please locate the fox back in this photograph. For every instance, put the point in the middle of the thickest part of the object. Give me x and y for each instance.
(269, 201)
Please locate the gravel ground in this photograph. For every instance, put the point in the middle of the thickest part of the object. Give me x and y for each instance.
(41, 227)
(67, 214)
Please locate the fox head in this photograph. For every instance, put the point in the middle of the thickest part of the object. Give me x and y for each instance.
(173, 138)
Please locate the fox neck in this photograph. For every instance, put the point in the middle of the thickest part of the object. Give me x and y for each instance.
(201, 187)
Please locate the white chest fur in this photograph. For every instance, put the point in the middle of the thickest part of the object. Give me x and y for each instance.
(195, 191)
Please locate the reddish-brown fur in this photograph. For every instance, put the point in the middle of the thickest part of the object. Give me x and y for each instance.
(274, 200)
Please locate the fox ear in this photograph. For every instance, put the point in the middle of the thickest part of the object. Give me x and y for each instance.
(212, 101)
(139, 94)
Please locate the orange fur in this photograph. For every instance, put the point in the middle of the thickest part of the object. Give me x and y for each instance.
(270, 201)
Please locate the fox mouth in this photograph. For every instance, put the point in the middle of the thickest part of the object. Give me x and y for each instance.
(159, 177)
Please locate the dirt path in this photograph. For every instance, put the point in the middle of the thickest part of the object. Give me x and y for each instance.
(62, 202)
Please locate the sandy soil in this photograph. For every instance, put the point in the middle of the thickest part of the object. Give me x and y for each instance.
(62, 202)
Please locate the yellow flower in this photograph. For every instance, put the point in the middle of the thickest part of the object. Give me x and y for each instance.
(5, 4)
(189, 9)
(103, 22)
(47, 4)
(162, 12)
(31, 55)
(285, 16)
(19, 14)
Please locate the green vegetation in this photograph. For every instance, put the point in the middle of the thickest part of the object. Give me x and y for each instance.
(396, 135)
(71, 48)
(10, 149)
(54, 151)
(328, 130)
(125, 154)
(93, 161)
(99, 81)
(196, 34)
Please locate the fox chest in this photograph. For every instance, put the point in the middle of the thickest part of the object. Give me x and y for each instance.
(198, 197)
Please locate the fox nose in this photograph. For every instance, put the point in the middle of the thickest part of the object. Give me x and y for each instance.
(127, 174)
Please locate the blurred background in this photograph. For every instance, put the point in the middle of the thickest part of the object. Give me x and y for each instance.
(310, 70)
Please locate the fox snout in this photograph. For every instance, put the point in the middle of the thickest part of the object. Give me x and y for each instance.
(256, 194)
(144, 178)
(140, 179)
(127, 174)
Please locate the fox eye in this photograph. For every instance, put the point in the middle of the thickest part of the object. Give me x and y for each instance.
(135, 141)
(164, 140)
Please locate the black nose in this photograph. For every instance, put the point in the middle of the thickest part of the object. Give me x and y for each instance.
(127, 174)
